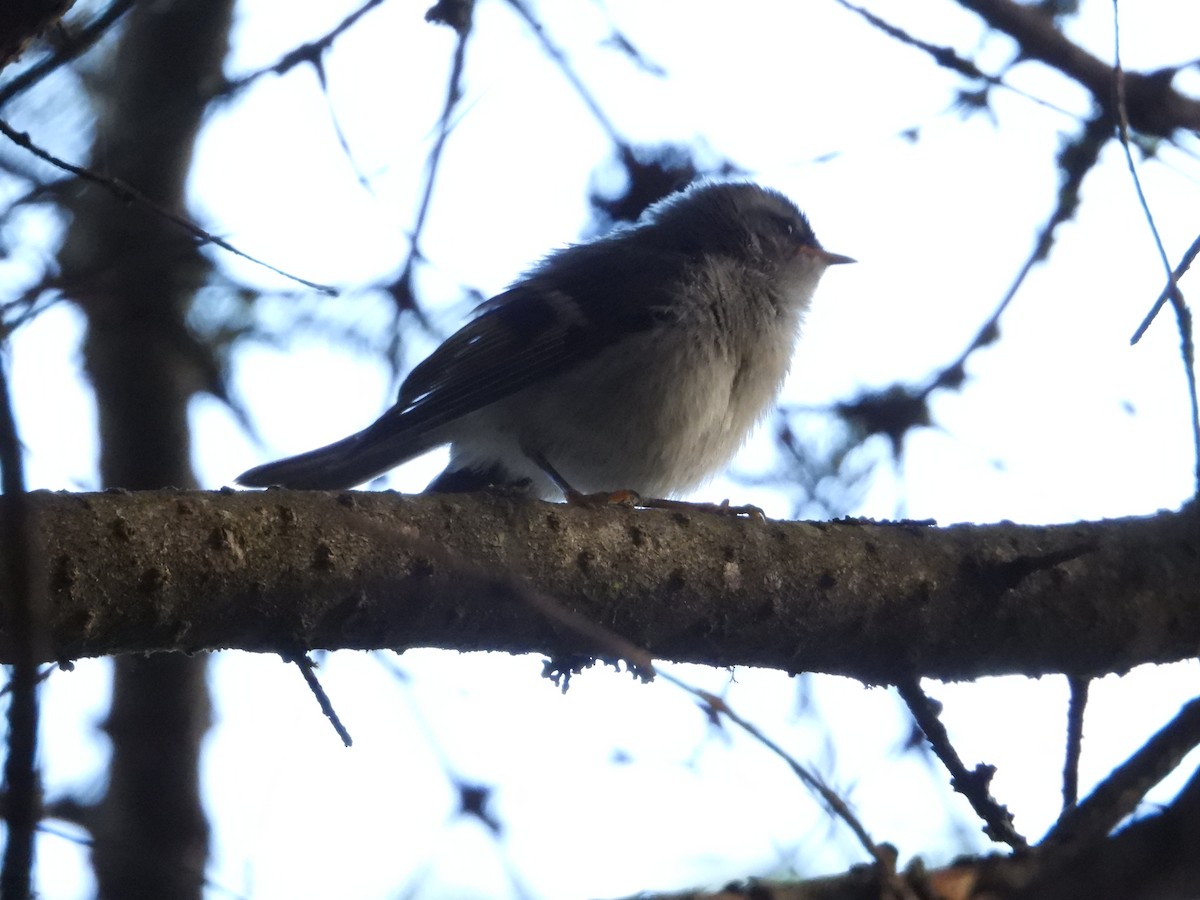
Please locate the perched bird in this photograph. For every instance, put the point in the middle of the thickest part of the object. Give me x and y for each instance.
(639, 361)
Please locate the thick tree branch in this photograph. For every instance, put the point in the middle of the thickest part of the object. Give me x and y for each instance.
(285, 571)
(1153, 104)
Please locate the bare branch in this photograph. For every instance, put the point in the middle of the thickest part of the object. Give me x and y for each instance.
(560, 59)
(1075, 161)
(1078, 703)
(401, 290)
(1183, 316)
(1168, 292)
(308, 669)
(974, 784)
(278, 571)
(310, 52)
(716, 708)
(884, 857)
(946, 57)
(1120, 793)
(1153, 105)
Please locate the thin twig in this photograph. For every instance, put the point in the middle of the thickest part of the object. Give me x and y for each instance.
(129, 194)
(896, 409)
(1078, 703)
(1171, 288)
(473, 795)
(946, 57)
(454, 94)
(1121, 792)
(1076, 161)
(310, 52)
(401, 289)
(883, 857)
(20, 310)
(42, 675)
(1183, 316)
(338, 132)
(1158, 108)
(306, 666)
(22, 781)
(643, 663)
(198, 875)
(1123, 134)
(975, 784)
(560, 59)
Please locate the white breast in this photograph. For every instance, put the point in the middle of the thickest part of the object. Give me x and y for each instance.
(659, 412)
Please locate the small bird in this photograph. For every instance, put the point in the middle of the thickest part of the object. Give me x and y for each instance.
(639, 361)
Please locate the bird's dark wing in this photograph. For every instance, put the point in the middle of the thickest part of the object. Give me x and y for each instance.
(550, 321)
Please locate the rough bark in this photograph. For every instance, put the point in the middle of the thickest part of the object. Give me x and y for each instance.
(284, 571)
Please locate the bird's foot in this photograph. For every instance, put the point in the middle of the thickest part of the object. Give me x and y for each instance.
(720, 509)
(603, 498)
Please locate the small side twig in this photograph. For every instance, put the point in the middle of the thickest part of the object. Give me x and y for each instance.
(898, 408)
(1172, 287)
(1078, 703)
(403, 294)
(945, 57)
(884, 856)
(313, 53)
(198, 875)
(310, 52)
(642, 661)
(454, 94)
(1158, 109)
(306, 666)
(560, 59)
(1076, 160)
(1120, 793)
(1183, 315)
(42, 675)
(974, 784)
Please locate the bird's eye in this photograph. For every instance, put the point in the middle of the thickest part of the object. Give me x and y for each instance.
(785, 226)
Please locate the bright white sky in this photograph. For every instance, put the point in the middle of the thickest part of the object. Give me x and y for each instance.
(1060, 420)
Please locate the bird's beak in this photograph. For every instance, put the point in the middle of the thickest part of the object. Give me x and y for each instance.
(830, 259)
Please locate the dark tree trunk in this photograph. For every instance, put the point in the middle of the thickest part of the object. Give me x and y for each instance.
(134, 276)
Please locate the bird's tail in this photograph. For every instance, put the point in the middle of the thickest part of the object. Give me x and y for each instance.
(342, 464)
